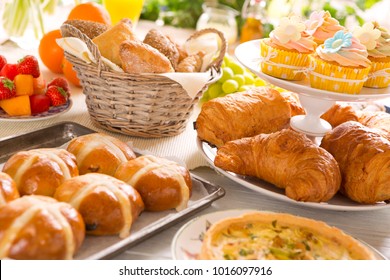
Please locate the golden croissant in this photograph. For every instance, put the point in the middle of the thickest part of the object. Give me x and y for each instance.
(340, 113)
(287, 159)
(243, 114)
(378, 120)
(364, 159)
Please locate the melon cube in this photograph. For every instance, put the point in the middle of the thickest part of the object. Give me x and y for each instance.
(24, 84)
(17, 106)
(39, 85)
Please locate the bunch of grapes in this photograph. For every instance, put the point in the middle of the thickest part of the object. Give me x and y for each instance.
(234, 78)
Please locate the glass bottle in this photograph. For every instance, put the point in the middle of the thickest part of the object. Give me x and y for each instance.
(253, 14)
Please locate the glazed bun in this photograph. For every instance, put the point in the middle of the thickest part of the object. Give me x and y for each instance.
(107, 205)
(41, 171)
(162, 183)
(39, 227)
(99, 153)
(8, 189)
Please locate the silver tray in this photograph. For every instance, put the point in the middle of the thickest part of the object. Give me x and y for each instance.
(147, 225)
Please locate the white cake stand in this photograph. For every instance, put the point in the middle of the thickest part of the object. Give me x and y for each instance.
(315, 101)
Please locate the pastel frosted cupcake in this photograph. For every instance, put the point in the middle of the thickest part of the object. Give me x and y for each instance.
(377, 41)
(321, 25)
(285, 54)
(340, 64)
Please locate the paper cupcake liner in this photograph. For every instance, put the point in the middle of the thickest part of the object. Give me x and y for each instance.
(379, 76)
(283, 64)
(331, 77)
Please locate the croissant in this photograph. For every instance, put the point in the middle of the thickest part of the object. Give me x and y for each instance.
(340, 113)
(243, 114)
(39, 227)
(287, 159)
(107, 205)
(8, 189)
(99, 152)
(41, 171)
(364, 159)
(377, 120)
(162, 183)
(295, 105)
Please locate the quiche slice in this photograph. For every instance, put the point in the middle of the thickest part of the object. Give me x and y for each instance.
(280, 236)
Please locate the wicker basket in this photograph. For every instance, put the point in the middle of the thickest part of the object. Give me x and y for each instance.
(144, 105)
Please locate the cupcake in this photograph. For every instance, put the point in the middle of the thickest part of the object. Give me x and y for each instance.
(377, 41)
(285, 54)
(321, 25)
(340, 64)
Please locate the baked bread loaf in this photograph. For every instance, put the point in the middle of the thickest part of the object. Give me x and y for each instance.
(159, 41)
(41, 171)
(242, 114)
(279, 236)
(8, 189)
(163, 184)
(364, 159)
(109, 42)
(287, 159)
(190, 64)
(108, 206)
(376, 119)
(100, 153)
(39, 227)
(90, 28)
(340, 113)
(138, 57)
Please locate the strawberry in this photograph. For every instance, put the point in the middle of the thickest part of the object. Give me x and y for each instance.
(9, 71)
(29, 65)
(3, 61)
(59, 82)
(7, 88)
(57, 95)
(39, 103)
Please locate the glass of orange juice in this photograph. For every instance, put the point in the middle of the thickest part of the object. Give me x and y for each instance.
(119, 9)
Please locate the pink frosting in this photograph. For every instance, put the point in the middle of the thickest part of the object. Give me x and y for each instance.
(322, 26)
(354, 55)
(304, 45)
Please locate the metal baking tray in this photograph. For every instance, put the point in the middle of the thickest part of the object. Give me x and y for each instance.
(147, 225)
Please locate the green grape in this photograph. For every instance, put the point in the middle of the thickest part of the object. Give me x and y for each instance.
(215, 90)
(244, 88)
(227, 59)
(237, 68)
(249, 79)
(227, 74)
(230, 86)
(205, 96)
(259, 82)
(240, 79)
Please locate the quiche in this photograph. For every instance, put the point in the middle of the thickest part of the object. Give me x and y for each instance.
(278, 236)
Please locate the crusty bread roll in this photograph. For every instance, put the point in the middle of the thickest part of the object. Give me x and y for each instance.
(99, 152)
(107, 205)
(109, 42)
(192, 63)
(8, 189)
(159, 41)
(162, 183)
(39, 227)
(90, 28)
(138, 57)
(41, 171)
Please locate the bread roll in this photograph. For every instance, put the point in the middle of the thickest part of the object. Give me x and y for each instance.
(41, 171)
(107, 205)
(137, 57)
(99, 152)
(163, 184)
(109, 42)
(90, 28)
(39, 227)
(8, 189)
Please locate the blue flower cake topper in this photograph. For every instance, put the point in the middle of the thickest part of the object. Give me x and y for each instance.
(338, 41)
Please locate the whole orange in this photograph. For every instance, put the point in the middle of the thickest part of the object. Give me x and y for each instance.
(90, 11)
(69, 73)
(50, 52)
